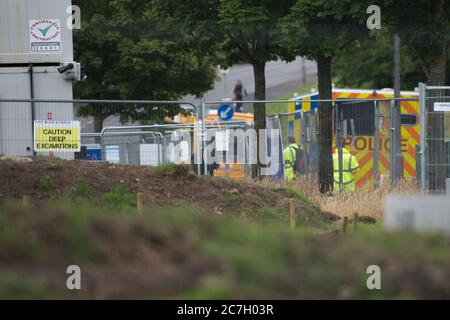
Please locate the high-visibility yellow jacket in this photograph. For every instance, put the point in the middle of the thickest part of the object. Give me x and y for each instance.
(349, 167)
(290, 157)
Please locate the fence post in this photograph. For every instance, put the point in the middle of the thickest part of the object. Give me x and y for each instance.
(140, 203)
(204, 133)
(344, 225)
(355, 221)
(376, 142)
(292, 214)
(423, 133)
(392, 139)
(340, 143)
(26, 201)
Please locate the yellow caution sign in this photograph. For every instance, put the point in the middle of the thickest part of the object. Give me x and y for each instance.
(54, 135)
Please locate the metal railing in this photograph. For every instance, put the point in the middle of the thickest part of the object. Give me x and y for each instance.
(434, 131)
(133, 122)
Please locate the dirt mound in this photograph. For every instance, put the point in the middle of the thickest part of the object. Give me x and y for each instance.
(175, 252)
(161, 186)
(179, 255)
(120, 257)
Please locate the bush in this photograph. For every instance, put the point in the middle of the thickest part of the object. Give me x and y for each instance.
(46, 184)
(82, 188)
(228, 198)
(119, 196)
(292, 193)
(172, 169)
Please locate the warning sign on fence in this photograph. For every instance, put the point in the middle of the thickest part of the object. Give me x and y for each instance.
(51, 135)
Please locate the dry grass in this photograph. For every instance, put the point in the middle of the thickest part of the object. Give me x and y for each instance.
(366, 202)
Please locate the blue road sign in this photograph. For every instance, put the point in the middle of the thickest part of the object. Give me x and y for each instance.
(225, 112)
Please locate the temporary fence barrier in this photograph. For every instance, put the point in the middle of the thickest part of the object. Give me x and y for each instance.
(100, 129)
(131, 132)
(434, 132)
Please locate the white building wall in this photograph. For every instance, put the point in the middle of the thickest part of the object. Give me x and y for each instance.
(15, 16)
(15, 55)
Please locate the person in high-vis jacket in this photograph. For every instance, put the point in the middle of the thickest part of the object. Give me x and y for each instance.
(290, 159)
(349, 167)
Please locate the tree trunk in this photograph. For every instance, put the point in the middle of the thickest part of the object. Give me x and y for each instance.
(259, 109)
(325, 138)
(435, 70)
(259, 70)
(98, 124)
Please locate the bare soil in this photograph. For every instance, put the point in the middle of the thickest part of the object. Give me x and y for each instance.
(152, 256)
(44, 179)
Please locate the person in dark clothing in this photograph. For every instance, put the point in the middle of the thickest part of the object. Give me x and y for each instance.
(239, 93)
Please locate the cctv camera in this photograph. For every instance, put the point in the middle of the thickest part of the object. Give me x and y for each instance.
(72, 71)
(65, 68)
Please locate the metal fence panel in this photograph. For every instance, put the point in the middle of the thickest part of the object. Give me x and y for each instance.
(435, 131)
(365, 129)
(131, 132)
(17, 115)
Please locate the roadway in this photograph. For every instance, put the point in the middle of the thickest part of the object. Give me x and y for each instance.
(281, 78)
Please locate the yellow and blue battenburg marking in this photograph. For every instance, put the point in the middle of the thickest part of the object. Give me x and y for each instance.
(363, 148)
(304, 104)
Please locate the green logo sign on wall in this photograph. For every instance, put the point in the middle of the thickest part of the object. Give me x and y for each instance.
(45, 36)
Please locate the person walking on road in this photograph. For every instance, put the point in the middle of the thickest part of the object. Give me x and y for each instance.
(239, 93)
(350, 166)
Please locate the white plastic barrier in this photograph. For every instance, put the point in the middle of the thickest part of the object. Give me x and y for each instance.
(418, 212)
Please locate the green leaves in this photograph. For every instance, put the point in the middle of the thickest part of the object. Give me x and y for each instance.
(423, 24)
(132, 51)
(368, 64)
(324, 27)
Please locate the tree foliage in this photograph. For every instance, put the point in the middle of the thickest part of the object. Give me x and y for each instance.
(239, 31)
(320, 30)
(129, 53)
(424, 26)
(368, 64)
(323, 27)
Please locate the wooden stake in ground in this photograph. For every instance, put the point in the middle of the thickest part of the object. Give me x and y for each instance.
(26, 201)
(355, 221)
(140, 203)
(292, 214)
(344, 225)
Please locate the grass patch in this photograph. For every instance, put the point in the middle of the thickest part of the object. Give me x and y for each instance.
(365, 201)
(82, 189)
(166, 168)
(292, 193)
(173, 170)
(211, 288)
(8, 232)
(75, 233)
(312, 217)
(56, 166)
(209, 256)
(15, 286)
(46, 184)
(275, 108)
(119, 196)
(228, 198)
(273, 215)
